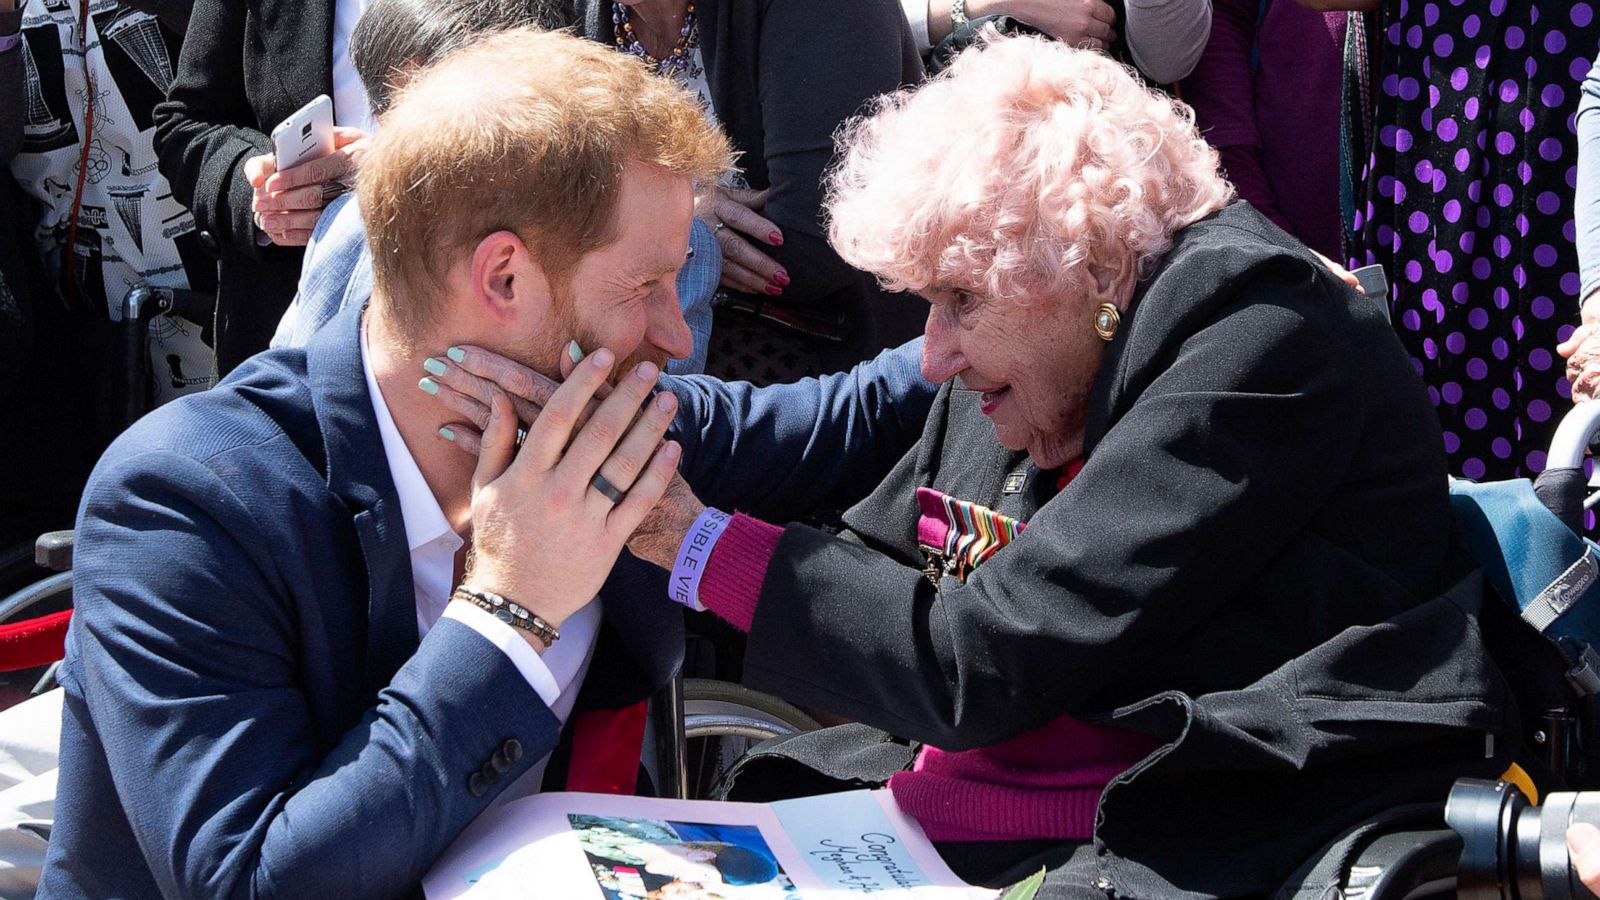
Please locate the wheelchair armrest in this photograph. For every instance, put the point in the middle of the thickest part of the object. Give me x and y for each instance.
(1394, 865)
(53, 550)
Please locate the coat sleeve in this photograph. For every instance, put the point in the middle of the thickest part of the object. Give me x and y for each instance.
(1166, 37)
(1216, 466)
(206, 129)
(184, 656)
(785, 451)
(821, 61)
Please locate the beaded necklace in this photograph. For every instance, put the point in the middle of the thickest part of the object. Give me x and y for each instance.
(628, 42)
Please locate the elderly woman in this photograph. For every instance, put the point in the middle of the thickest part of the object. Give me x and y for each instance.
(1157, 597)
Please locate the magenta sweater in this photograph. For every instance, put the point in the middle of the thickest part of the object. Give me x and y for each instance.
(1043, 784)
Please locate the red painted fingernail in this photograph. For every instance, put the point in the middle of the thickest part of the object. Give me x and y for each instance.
(776, 238)
(780, 278)
(774, 290)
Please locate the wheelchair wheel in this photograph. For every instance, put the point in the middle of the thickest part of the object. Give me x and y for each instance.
(723, 720)
(43, 597)
(17, 568)
(49, 595)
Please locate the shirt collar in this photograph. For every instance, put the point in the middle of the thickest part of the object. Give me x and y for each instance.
(424, 519)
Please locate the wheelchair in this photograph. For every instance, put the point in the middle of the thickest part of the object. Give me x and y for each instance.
(1484, 841)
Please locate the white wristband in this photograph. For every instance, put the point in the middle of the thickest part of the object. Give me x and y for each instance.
(690, 563)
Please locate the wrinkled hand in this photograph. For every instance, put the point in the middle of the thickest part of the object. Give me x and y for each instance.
(1581, 350)
(1583, 844)
(1080, 23)
(732, 215)
(467, 387)
(542, 535)
(286, 204)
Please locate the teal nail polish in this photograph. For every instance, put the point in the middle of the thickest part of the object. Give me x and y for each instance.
(429, 386)
(574, 353)
(433, 366)
(447, 434)
(456, 353)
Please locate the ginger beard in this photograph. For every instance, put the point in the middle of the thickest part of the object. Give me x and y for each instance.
(544, 353)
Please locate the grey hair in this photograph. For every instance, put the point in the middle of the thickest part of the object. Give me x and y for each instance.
(396, 37)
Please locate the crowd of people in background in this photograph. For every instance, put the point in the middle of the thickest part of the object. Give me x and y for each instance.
(1439, 139)
(1454, 143)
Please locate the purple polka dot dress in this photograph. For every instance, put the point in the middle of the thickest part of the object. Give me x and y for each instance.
(1468, 205)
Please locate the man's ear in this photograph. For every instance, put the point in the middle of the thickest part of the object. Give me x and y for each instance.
(506, 282)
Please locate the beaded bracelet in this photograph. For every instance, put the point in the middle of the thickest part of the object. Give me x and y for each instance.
(958, 14)
(509, 613)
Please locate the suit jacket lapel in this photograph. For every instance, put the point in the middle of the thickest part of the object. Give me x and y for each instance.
(299, 39)
(358, 472)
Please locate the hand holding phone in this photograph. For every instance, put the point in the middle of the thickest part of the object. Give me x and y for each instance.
(313, 162)
(306, 135)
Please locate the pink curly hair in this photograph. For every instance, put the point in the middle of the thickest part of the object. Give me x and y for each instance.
(1028, 169)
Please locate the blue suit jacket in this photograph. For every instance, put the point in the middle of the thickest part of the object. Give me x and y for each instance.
(249, 711)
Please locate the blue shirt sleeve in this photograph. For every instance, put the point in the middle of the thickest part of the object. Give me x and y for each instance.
(818, 444)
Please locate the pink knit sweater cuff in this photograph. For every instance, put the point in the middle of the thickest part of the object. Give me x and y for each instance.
(954, 809)
(737, 567)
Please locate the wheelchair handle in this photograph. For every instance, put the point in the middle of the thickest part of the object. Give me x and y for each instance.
(1573, 435)
(53, 551)
(141, 306)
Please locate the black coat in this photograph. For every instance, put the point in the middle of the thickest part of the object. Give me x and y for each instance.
(784, 74)
(245, 67)
(1248, 568)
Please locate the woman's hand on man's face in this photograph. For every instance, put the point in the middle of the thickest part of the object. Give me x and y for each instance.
(467, 379)
(733, 217)
(551, 484)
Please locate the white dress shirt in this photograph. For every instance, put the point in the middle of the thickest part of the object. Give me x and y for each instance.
(558, 674)
(350, 105)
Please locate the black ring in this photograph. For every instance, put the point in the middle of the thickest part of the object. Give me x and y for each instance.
(600, 484)
(522, 435)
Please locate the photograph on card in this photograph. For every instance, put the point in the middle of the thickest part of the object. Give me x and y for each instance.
(646, 859)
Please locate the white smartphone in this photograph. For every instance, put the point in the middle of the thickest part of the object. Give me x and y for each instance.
(305, 135)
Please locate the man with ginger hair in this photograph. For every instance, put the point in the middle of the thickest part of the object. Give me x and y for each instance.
(286, 674)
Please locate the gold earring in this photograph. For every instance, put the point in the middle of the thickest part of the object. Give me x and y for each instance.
(1106, 319)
